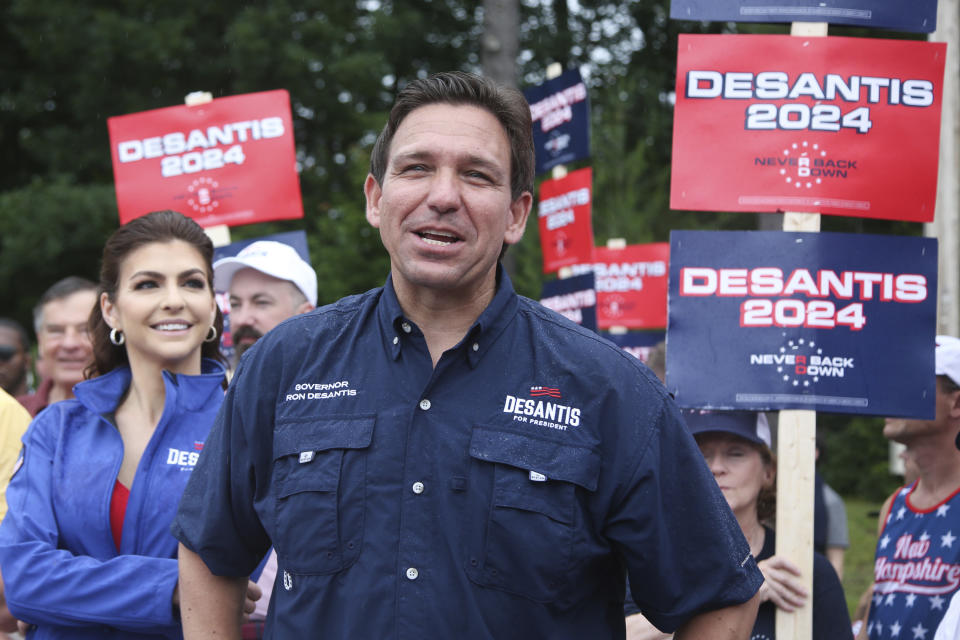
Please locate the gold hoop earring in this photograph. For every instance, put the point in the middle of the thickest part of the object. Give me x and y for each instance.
(211, 335)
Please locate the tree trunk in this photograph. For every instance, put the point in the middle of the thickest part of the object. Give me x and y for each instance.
(501, 40)
(501, 44)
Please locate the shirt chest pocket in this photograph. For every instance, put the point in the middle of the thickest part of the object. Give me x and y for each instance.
(524, 517)
(319, 489)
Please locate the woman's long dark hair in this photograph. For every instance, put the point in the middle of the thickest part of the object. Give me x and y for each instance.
(159, 226)
(767, 500)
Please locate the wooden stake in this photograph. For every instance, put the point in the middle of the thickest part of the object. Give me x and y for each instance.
(796, 464)
(812, 29)
(218, 234)
(796, 442)
(796, 457)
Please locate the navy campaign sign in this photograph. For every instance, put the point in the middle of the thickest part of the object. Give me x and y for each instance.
(823, 321)
(560, 110)
(296, 239)
(918, 15)
(574, 298)
(636, 344)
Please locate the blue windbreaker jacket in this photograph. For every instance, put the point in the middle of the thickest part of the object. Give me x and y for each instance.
(61, 568)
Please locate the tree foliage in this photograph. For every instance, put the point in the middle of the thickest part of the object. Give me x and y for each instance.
(81, 63)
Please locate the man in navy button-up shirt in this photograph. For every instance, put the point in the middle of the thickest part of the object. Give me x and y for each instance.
(441, 458)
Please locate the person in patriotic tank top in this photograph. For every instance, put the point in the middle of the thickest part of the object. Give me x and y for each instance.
(917, 567)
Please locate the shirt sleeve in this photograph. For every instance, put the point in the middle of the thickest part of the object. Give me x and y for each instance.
(217, 517)
(830, 616)
(47, 585)
(837, 533)
(14, 420)
(684, 551)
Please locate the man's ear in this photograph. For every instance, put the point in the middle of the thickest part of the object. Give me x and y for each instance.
(955, 404)
(373, 192)
(304, 307)
(519, 211)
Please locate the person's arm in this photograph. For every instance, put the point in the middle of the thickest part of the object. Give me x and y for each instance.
(835, 556)
(8, 623)
(729, 623)
(698, 554)
(838, 534)
(210, 606)
(45, 584)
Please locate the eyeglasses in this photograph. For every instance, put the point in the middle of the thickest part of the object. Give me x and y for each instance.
(7, 351)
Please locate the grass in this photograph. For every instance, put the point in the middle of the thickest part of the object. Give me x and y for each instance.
(858, 561)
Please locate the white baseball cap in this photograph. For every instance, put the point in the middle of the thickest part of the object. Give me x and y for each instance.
(272, 258)
(948, 357)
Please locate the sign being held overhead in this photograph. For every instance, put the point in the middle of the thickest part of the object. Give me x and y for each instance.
(566, 231)
(560, 112)
(918, 15)
(822, 125)
(822, 321)
(639, 345)
(631, 285)
(230, 161)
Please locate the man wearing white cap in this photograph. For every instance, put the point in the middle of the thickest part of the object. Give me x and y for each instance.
(918, 552)
(268, 282)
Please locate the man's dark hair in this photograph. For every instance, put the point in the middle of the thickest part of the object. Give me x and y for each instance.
(459, 88)
(22, 336)
(61, 289)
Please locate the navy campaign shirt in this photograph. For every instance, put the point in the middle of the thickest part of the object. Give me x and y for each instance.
(500, 494)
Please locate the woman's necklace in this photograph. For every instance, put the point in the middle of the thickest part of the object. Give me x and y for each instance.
(755, 539)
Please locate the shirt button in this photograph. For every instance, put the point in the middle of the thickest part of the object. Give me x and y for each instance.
(424, 404)
(406, 327)
(396, 339)
(417, 488)
(476, 346)
(412, 573)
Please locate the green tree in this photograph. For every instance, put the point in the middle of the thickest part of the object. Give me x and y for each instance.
(79, 64)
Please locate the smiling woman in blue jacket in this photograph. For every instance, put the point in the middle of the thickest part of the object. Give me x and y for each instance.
(86, 549)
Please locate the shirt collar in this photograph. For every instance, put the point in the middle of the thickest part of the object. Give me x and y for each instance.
(103, 393)
(482, 334)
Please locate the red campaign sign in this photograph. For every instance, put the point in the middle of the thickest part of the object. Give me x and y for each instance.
(631, 285)
(840, 126)
(566, 232)
(230, 161)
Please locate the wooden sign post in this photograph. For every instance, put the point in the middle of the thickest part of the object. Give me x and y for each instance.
(796, 461)
(218, 234)
(796, 458)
